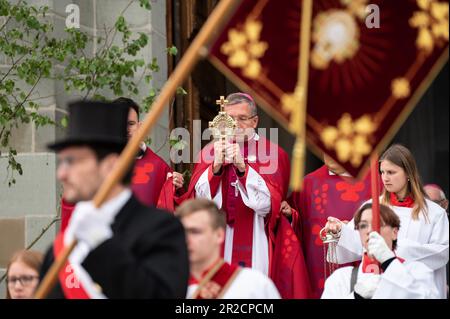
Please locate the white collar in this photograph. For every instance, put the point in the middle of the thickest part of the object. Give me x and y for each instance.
(143, 147)
(114, 205)
(255, 137)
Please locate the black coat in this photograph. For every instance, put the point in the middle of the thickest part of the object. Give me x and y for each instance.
(145, 258)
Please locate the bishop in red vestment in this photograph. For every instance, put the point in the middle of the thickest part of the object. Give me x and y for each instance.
(247, 177)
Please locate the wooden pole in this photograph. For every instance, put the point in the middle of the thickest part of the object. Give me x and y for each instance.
(197, 50)
(375, 193)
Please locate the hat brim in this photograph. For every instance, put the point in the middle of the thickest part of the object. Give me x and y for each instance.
(113, 144)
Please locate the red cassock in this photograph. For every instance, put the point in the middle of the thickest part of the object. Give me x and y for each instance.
(239, 216)
(324, 195)
(149, 176)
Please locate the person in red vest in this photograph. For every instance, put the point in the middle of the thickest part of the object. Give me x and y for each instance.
(150, 170)
(328, 191)
(212, 277)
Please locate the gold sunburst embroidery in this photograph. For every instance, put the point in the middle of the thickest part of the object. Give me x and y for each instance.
(244, 48)
(400, 88)
(432, 24)
(349, 138)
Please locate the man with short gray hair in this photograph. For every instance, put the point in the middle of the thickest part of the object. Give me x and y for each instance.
(234, 174)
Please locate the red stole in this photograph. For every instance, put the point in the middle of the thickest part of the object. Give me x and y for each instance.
(239, 216)
(70, 284)
(277, 184)
(324, 195)
(219, 282)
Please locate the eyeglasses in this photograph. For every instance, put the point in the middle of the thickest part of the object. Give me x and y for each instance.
(365, 226)
(243, 118)
(25, 280)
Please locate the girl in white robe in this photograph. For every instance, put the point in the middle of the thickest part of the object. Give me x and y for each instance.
(424, 232)
(397, 279)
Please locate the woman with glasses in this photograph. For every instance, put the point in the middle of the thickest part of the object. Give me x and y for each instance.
(381, 274)
(22, 274)
(424, 235)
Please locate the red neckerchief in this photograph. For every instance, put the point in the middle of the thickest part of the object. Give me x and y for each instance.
(217, 283)
(370, 265)
(193, 280)
(407, 202)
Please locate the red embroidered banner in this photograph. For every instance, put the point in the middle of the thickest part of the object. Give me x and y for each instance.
(370, 62)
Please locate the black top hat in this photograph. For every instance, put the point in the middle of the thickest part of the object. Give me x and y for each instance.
(95, 123)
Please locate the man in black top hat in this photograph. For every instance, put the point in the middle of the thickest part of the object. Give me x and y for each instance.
(124, 249)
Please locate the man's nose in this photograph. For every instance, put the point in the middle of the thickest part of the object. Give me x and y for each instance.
(61, 172)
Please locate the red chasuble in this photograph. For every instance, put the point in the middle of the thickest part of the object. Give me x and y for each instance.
(324, 195)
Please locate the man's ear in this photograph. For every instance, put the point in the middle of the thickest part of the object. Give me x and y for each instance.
(256, 120)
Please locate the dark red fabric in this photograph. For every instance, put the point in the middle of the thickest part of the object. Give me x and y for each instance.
(240, 217)
(70, 284)
(66, 212)
(149, 176)
(359, 87)
(289, 271)
(324, 195)
(221, 277)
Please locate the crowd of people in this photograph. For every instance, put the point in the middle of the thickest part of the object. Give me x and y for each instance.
(233, 231)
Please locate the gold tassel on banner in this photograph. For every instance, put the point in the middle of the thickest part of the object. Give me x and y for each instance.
(298, 117)
(298, 164)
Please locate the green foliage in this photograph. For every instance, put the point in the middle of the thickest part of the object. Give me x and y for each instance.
(172, 50)
(177, 144)
(32, 53)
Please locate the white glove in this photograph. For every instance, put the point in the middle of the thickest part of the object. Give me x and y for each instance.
(378, 248)
(366, 285)
(89, 225)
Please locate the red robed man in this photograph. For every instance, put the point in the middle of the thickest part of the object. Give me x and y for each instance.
(247, 176)
(328, 191)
